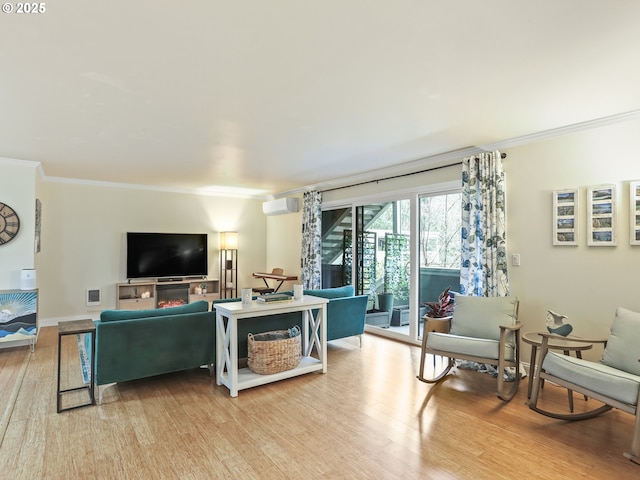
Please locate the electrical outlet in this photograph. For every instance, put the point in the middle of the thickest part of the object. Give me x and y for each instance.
(515, 260)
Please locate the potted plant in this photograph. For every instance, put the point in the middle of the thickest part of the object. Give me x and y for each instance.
(385, 301)
(439, 313)
(441, 308)
(381, 316)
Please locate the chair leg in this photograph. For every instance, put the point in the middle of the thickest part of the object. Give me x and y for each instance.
(437, 376)
(533, 405)
(504, 393)
(423, 354)
(634, 454)
(570, 395)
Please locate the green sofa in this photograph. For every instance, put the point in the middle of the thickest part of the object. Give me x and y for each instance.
(133, 344)
(345, 316)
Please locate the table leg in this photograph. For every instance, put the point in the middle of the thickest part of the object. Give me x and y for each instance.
(322, 312)
(93, 367)
(569, 391)
(422, 355)
(532, 369)
(220, 345)
(233, 352)
(58, 391)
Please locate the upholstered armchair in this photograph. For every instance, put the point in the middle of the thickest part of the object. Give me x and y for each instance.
(614, 380)
(483, 330)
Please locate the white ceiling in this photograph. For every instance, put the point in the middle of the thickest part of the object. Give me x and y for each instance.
(277, 95)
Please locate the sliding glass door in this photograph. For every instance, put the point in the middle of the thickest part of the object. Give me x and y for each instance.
(438, 247)
(373, 246)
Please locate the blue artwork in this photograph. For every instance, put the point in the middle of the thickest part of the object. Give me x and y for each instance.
(18, 313)
(556, 324)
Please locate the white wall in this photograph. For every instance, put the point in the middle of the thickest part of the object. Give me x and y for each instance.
(584, 283)
(83, 238)
(18, 190)
(284, 243)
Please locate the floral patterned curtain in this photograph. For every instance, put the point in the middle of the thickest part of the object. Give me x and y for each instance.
(311, 255)
(484, 239)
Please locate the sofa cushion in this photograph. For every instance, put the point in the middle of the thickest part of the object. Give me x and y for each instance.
(481, 317)
(623, 345)
(115, 315)
(337, 292)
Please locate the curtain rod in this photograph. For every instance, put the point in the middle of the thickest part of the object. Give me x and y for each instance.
(502, 155)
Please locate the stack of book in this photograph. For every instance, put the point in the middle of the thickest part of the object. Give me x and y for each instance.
(274, 298)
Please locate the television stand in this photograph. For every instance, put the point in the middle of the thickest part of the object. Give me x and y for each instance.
(143, 295)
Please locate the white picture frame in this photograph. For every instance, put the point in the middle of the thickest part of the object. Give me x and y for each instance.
(634, 212)
(565, 217)
(601, 216)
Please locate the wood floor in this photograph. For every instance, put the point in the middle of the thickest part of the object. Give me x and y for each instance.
(367, 418)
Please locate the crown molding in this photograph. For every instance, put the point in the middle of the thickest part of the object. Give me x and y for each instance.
(207, 192)
(20, 163)
(441, 159)
(565, 130)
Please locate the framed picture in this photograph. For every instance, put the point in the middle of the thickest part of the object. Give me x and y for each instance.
(601, 216)
(565, 217)
(634, 209)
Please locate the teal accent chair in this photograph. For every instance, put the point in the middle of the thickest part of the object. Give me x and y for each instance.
(614, 380)
(484, 330)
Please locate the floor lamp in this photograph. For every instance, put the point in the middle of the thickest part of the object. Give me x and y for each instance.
(228, 264)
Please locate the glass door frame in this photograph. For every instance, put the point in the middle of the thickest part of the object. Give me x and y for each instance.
(413, 195)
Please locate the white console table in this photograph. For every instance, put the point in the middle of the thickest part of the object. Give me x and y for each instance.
(314, 334)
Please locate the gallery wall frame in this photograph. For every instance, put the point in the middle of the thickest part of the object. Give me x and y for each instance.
(634, 210)
(565, 217)
(601, 216)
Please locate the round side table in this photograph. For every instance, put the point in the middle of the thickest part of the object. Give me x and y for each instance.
(535, 340)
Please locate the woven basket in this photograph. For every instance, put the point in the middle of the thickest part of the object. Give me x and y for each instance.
(273, 352)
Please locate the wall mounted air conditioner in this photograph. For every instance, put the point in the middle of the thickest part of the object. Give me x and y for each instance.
(280, 206)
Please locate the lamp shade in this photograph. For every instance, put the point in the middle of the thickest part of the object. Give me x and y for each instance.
(228, 240)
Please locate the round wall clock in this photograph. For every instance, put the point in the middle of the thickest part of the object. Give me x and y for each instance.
(9, 223)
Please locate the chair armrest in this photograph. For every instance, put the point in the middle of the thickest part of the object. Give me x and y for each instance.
(573, 339)
(513, 328)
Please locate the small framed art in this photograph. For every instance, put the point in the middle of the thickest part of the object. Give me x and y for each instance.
(634, 210)
(601, 216)
(565, 217)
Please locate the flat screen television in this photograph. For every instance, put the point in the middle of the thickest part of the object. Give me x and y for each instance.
(166, 255)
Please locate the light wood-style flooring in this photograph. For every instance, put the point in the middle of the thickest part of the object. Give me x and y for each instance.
(367, 418)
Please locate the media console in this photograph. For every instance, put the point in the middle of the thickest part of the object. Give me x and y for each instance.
(147, 294)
